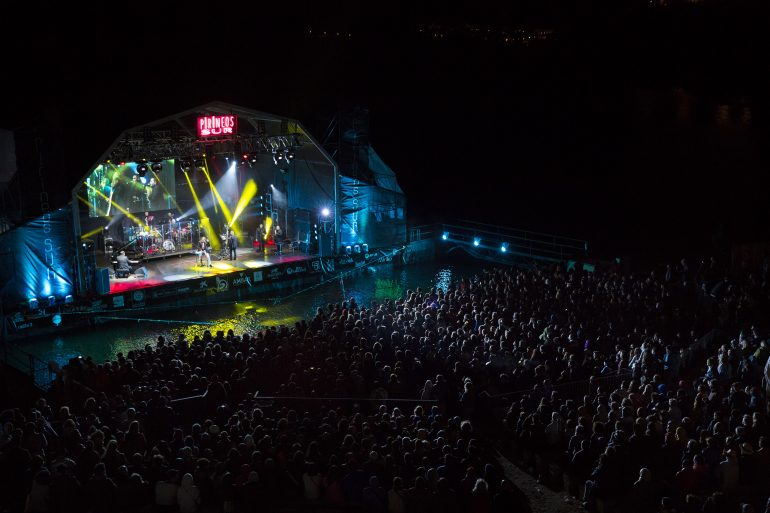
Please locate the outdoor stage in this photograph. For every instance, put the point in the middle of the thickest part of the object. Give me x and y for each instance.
(183, 267)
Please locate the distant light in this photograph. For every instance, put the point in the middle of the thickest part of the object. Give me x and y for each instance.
(445, 236)
(325, 212)
(476, 242)
(56, 319)
(504, 247)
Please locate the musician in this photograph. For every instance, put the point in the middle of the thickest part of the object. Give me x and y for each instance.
(137, 195)
(260, 236)
(232, 244)
(204, 251)
(277, 233)
(154, 195)
(124, 266)
(148, 220)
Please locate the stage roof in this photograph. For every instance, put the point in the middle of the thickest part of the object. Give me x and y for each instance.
(175, 134)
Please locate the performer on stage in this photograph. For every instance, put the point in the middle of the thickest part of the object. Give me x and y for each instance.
(232, 244)
(204, 251)
(148, 220)
(124, 265)
(260, 236)
(136, 195)
(154, 195)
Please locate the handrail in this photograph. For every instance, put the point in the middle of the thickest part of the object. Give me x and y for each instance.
(524, 231)
(28, 364)
(524, 237)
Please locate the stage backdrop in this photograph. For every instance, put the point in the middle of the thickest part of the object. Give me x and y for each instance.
(36, 259)
(371, 214)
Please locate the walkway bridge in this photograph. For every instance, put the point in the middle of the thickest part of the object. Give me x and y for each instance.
(500, 244)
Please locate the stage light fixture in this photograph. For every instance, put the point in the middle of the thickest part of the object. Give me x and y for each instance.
(445, 236)
(504, 247)
(476, 242)
(199, 164)
(157, 167)
(185, 165)
(252, 158)
(33, 304)
(56, 319)
(289, 154)
(142, 168)
(325, 212)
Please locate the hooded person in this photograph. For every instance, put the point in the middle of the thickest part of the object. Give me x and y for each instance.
(188, 496)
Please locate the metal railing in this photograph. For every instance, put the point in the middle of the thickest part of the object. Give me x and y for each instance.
(477, 238)
(422, 232)
(572, 389)
(38, 370)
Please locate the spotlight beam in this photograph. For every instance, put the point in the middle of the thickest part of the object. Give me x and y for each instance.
(222, 205)
(202, 214)
(85, 202)
(128, 214)
(92, 232)
(173, 200)
(249, 191)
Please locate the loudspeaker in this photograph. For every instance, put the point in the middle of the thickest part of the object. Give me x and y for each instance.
(102, 281)
(325, 244)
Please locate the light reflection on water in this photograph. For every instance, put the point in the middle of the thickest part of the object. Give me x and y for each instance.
(106, 341)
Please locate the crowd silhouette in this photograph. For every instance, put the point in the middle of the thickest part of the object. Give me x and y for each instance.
(627, 391)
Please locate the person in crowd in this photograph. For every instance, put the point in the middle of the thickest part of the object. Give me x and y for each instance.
(564, 371)
(188, 496)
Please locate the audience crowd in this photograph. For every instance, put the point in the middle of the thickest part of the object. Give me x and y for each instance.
(631, 392)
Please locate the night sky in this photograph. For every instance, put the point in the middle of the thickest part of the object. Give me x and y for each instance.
(643, 129)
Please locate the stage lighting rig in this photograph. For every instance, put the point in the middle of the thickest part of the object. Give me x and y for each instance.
(185, 165)
(157, 167)
(142, 168)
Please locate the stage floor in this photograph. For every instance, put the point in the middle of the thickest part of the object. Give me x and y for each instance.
(185, 267)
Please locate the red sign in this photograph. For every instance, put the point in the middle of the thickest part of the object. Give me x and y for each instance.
(217, 125)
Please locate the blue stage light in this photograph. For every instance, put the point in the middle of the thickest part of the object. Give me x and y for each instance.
(476, 242)
(56, 319)
(504, 247)
(445, 236)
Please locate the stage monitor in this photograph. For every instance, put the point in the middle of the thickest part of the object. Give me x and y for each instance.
(131, 186)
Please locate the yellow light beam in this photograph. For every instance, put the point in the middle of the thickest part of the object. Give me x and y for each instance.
(212, 187)
(173, 200)
(268, 224)
(128, 214)
(222, 205)
(249, 191)
(213, 239)
(92, 232)
(99, 211)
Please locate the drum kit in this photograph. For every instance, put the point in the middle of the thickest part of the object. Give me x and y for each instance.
(164, 238)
